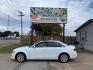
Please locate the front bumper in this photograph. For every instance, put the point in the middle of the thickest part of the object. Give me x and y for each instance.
(13, 55)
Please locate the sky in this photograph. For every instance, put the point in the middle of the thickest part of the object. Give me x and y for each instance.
(79, 11)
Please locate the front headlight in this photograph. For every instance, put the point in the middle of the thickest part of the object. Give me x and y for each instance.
(13, 51)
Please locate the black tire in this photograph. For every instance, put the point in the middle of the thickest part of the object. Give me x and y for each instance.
(64, 58)
(20, 57)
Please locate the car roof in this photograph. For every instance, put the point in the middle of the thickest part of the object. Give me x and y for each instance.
(50, 41)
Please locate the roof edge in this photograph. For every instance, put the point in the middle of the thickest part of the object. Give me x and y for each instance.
(86, 23)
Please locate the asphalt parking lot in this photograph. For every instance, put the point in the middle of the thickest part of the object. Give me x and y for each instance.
(84, 61)
(9, 41)
(6, 63)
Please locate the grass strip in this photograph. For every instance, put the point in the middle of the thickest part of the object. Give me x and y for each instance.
(9, 48)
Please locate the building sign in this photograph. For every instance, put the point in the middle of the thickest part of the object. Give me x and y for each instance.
(48, 15)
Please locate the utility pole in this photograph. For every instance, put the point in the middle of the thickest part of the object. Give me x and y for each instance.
(21, 15)
(8, 23)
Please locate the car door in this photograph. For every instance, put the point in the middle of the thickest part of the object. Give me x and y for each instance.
(38, 51)
(53, 50)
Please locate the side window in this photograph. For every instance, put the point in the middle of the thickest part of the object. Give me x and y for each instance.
(54, 44)
(42, 44)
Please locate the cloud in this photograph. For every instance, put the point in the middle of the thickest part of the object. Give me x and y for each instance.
(79, 11)
(3, 28)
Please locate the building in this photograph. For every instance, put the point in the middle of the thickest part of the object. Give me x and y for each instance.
(84, 35)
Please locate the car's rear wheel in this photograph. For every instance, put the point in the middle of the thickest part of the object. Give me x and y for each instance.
(64, 58)
(20, 57)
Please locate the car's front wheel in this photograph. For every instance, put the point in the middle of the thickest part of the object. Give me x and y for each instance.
(63, 58)
(20, 57)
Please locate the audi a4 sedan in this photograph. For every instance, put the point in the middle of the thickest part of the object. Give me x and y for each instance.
(45, 50)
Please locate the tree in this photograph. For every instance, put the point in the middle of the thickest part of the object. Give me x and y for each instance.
(47, 29)
(6, 33)
(1, 34)
(37, 28)
(17, 33)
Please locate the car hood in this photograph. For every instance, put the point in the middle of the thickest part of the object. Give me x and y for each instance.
(21, 48)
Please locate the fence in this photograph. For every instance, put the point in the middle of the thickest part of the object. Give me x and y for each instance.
(68, 39)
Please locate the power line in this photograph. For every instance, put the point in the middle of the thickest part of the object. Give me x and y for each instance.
(8, 15)
(9, 5)
(6, 5)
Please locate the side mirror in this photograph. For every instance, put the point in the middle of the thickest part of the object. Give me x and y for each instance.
(33, 46)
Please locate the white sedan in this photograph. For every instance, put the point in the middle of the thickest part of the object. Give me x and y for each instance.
(49, 50)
